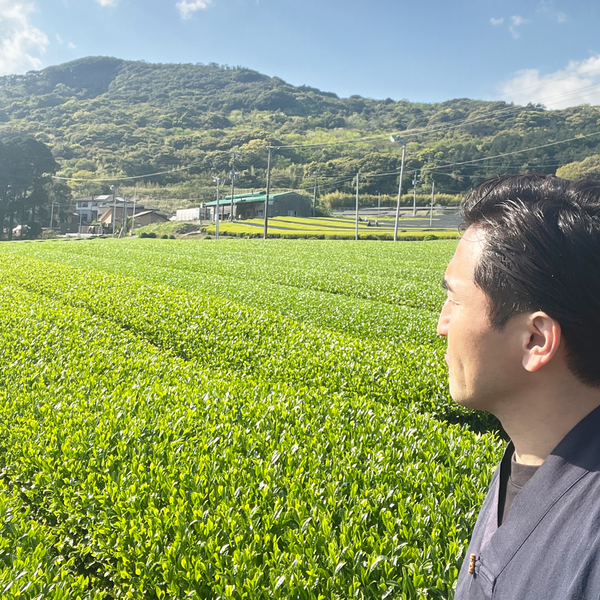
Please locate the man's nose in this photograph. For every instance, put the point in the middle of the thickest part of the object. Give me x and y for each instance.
(444, 320)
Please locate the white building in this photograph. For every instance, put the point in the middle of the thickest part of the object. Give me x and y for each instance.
(188, 214)
(90, 207)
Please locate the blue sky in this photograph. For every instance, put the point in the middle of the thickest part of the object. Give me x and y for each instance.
(528, 51)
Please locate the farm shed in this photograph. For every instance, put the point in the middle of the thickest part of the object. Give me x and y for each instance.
(251, 206)
(148, 217)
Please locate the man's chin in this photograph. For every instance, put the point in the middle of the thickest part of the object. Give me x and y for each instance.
(465, 400)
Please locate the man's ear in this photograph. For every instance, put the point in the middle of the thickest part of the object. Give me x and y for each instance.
(543, 341)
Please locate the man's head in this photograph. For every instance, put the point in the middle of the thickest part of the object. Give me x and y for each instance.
(532, 248)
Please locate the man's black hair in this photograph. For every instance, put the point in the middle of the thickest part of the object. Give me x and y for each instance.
(542, 252)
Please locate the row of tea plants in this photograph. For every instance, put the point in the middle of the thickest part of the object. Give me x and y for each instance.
(163, 438)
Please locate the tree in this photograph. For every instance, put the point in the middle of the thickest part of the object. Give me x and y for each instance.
(26, 168)
(588, 168)
(60, 195)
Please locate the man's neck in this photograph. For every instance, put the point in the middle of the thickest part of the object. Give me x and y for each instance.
(538, 422)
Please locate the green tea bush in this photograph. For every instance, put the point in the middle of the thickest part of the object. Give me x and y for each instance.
(233, 420)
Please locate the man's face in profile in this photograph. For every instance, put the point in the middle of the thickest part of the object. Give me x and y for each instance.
(482, 362)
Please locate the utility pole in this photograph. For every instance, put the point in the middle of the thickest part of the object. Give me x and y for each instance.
(399, 140)
(51, 215)
(134, 205)
(314, 207)
(217, 180)
(233, 176)
(432, 195)
(10, 209)
(356, 225)
(266, 228)
(80, 214)
(414, 182)
(2, 213)
(378, 203)
(124, 226)
(114, 215)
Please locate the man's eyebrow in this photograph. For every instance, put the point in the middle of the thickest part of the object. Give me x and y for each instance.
(446, 285)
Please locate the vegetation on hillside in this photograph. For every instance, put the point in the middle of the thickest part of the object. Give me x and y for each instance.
(105, 117)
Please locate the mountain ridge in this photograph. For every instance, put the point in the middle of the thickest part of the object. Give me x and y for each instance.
(109, 117)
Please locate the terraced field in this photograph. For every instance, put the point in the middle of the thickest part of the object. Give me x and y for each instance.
(232, 419)
(339, 228)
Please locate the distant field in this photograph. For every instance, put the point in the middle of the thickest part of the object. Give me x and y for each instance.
(323, 228)
(232, 419)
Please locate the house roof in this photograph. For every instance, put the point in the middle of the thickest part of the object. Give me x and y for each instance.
(251, 198)
(108, 208)
(107, 198)
(246, 195)
(160, 213)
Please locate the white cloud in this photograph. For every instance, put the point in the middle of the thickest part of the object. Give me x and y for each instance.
(107, 2)
(70, 45)
(497, 21)
(516, 21)
(21, 44)
(578, 83)
(546, 8)
(187, 8)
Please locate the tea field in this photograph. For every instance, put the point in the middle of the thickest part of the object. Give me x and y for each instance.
(231, 419)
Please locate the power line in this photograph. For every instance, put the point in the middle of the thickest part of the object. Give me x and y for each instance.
(455, 123)
(427, 129)
(125, 178)
(468, 162)
(451, 124)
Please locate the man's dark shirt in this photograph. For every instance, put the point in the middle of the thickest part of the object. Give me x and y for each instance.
(548, 547)
(513, 477)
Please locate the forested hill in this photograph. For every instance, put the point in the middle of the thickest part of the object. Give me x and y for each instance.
(110, 117)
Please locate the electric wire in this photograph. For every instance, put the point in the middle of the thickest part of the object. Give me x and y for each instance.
(451, 124)
(447, 125)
